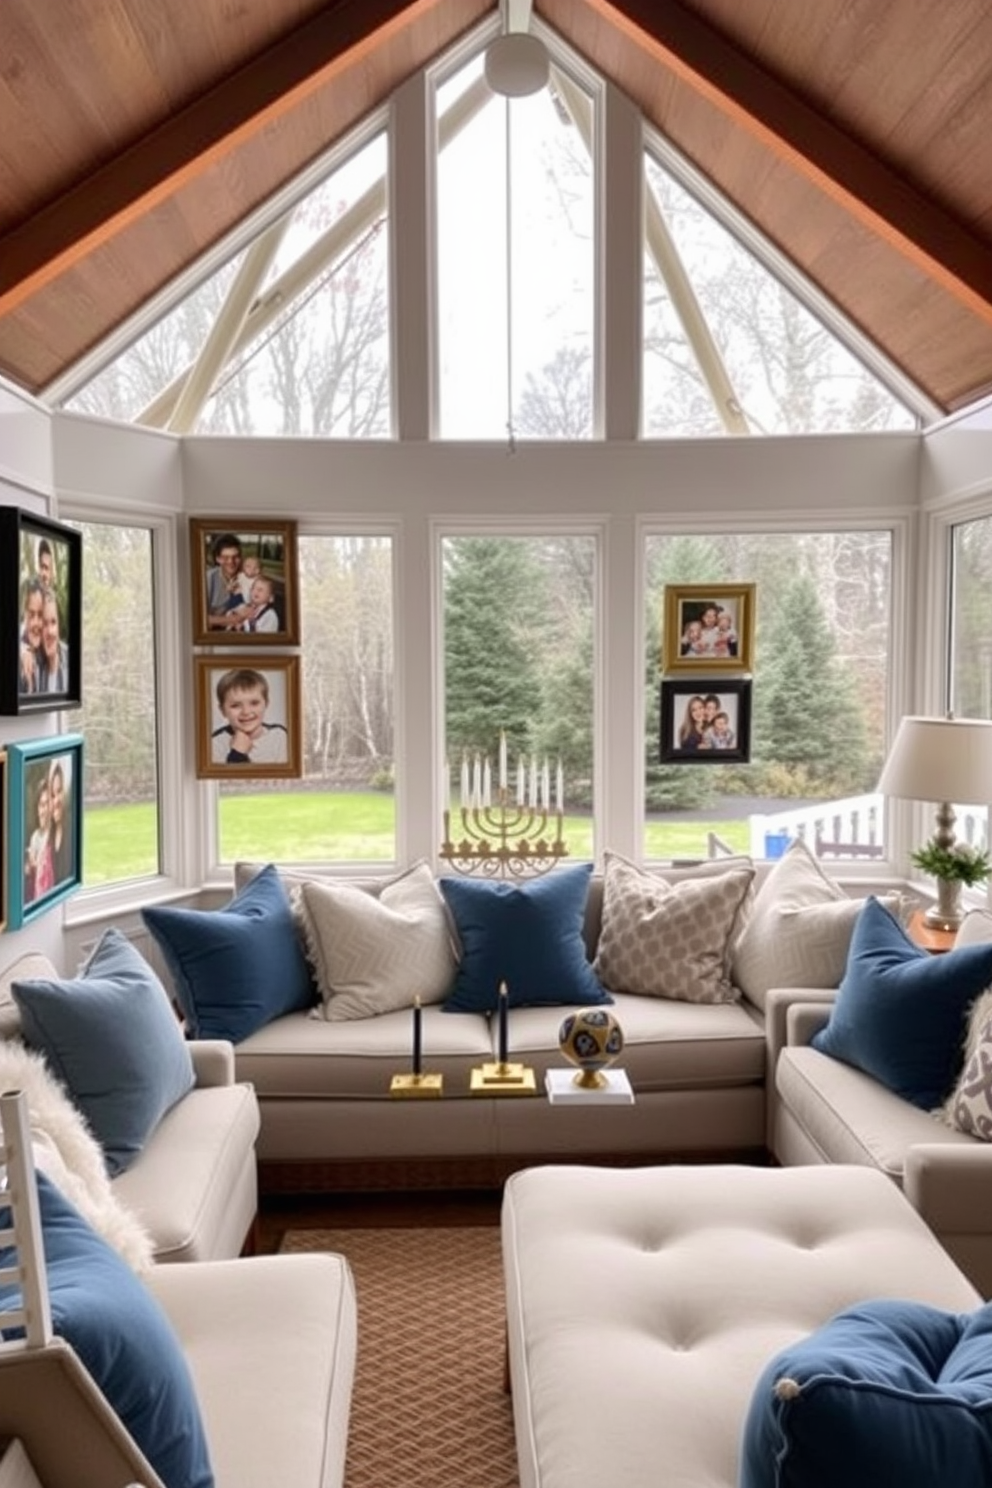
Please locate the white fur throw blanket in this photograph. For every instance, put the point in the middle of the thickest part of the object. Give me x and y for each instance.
(67, 1152)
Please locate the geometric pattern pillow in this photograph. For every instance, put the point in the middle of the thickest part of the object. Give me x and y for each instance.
(662, 939)
(799, 929)
(373, 955)
(969, 1107)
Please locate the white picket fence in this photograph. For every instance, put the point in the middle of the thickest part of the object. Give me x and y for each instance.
(850, 828)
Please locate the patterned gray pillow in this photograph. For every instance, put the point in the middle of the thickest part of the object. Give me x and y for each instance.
(970, 1106)
(664, 939)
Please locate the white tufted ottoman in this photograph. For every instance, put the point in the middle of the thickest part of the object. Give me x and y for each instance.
(642, 1304)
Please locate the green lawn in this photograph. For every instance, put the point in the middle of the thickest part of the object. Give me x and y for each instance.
(311, 827)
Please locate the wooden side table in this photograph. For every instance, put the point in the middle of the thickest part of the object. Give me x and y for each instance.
(935, 941)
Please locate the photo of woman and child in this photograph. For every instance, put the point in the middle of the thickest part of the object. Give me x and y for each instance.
(707, 722)
(49, 857)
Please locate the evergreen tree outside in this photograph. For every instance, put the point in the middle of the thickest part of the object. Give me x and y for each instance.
(808, 724)
(493, 602)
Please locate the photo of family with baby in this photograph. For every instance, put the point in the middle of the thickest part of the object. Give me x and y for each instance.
(708, 628)
(247, 584)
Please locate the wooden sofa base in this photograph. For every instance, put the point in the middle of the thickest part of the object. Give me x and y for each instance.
(398, 1175)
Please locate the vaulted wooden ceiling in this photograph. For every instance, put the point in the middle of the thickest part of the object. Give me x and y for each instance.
(855, 134)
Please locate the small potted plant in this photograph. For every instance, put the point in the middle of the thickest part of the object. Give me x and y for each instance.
(951, 865)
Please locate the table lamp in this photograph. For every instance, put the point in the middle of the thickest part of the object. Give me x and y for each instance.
(943, 760)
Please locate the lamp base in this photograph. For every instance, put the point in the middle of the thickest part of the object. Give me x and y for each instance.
(946, 914)
(417, 1087)
(502, 1079)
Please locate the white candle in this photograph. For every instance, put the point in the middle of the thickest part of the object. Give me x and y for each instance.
(446, 786)
(464, 801)
(559, 789)
(502, 759)
(545, 785)
(487, 784)
(532, 795)
(476, 783)
(520, 780)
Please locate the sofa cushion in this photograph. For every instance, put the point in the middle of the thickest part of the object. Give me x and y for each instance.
(238, 967)
(123, 1338)
(663, 939)
(66, 1150)
(888, 1391)
(798, 930)
(110, 1035)
(528, 935)
(372, 954)
(900, 1012)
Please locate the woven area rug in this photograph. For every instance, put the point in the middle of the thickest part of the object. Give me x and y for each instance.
(429, 1408)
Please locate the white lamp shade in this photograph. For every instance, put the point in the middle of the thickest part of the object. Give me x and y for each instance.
(940, 759)
(516, 64)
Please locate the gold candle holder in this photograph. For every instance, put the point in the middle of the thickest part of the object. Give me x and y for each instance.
(417, 1087)
(504, 840)
(502, 1078)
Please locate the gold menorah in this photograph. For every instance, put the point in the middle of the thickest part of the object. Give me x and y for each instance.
(504, 840)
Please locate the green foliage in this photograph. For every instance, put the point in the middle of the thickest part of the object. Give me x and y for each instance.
(494, 603)
(958, 864)
(807, 712)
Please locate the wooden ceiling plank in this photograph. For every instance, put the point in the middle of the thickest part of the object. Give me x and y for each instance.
(332, 42)
(916, 225)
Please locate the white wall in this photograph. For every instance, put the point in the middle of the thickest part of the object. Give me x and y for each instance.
(27, 481)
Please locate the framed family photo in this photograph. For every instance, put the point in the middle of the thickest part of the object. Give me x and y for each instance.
(248, 719)
(45, 826)
(706, 723)
(40, 613)
(244, 582)
(708, 627)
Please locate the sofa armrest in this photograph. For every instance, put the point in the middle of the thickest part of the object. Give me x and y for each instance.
(950, 1185)
(779, 1004)
(213, 1061)
(803, 1021)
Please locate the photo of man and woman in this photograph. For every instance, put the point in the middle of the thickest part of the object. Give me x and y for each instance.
(50, 848)
(44, 657)
(247, 584)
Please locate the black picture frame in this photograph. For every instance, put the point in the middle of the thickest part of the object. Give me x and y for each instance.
(31, 767)
(732, 698)
(4, 835)
(40, 578)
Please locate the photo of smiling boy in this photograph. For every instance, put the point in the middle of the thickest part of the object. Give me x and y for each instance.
(245, 737)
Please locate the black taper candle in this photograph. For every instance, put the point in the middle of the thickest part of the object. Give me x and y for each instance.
(417, 1015)
(504, 1002)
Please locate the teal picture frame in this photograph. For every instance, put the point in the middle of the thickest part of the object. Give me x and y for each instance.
(44, 807)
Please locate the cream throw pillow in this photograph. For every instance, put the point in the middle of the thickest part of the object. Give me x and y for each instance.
(664, 939)
(799, 929)
(374, 953)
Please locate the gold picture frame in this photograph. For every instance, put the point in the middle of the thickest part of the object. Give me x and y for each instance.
(248, 717)
(227, 556)
(708, 628)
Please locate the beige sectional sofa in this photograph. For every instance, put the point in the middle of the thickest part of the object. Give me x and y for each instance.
(327, 1118)
(822, 1110)
(194, 1187)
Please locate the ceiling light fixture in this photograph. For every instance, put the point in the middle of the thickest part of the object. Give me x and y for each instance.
(516, 64)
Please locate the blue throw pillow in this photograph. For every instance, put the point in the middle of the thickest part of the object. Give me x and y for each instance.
(900, 1012)
(528, 935)
(123, 1337)
(112, 1038)
(886, 1392)
(238, 967)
